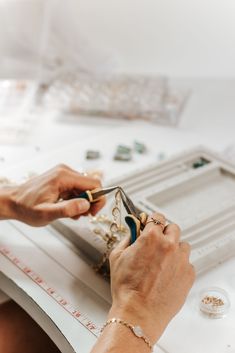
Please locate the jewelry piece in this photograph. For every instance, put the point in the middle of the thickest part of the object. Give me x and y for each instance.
(113, 233)
(116, 212)
(156, 222)
(136, 330)
(115, 227)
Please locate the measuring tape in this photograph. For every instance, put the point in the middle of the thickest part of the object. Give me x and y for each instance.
(83, 319)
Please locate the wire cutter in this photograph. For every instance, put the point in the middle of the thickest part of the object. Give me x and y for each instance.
(135, 219)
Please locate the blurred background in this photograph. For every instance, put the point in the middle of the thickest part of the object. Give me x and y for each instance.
(69, 65)
(183, 38)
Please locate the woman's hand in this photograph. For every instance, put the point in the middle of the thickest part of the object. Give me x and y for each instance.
(151, 278)
(46, 198)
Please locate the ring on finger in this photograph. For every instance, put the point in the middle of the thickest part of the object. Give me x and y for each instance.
(156, 222)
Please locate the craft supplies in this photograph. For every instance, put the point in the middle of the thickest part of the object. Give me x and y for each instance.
(125, 153)
(117, 96)
(111, 234)
(139, 147)
(123, 157)
(123, 149)
(167, 187)
(214, 302)
(92, 154)
(199, 163)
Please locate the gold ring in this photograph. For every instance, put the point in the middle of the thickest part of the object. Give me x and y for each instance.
(156, 222)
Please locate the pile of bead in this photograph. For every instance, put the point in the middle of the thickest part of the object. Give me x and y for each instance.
(214, 302)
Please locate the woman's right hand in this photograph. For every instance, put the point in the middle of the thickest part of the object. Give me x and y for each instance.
(151, 278)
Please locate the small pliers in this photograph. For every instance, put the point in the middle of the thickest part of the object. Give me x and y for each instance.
(135, 219)
(94, 195)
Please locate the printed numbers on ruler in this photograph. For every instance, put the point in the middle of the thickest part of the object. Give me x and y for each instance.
(83, 319)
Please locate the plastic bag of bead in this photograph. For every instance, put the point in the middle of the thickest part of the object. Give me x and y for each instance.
(117, 96)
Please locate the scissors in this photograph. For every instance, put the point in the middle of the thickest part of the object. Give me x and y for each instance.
(135, 219)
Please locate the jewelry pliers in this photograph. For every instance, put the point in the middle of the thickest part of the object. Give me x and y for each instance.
(135, 219)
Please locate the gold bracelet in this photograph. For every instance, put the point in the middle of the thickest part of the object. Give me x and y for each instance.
(136, 330)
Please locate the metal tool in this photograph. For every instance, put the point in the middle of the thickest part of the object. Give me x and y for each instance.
(135, 220)
(94, 195)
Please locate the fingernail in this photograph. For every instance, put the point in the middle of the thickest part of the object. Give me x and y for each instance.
(84, 205)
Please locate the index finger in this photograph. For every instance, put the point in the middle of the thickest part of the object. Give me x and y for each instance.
(79, 182)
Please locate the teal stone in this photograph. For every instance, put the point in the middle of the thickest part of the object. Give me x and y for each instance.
(139, 147)
(124, 157)
(90, 154)
(199, 163)
(123, 149)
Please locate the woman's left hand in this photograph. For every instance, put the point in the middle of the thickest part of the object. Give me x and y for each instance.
(46, 198)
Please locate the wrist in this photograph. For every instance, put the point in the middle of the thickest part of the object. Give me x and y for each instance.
(117, 338)
(7, 203)
(133, 336)
(136, 314)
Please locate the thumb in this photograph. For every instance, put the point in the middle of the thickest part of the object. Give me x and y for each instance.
(64, 209)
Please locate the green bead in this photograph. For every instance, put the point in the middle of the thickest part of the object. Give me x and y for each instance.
(123, 149)
(200, 163)
(92, 154)
(125, 157)
(139, 147)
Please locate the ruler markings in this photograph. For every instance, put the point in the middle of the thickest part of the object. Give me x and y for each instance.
(77, 314)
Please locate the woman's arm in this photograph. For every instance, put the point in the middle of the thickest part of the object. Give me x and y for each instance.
(36, 203)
